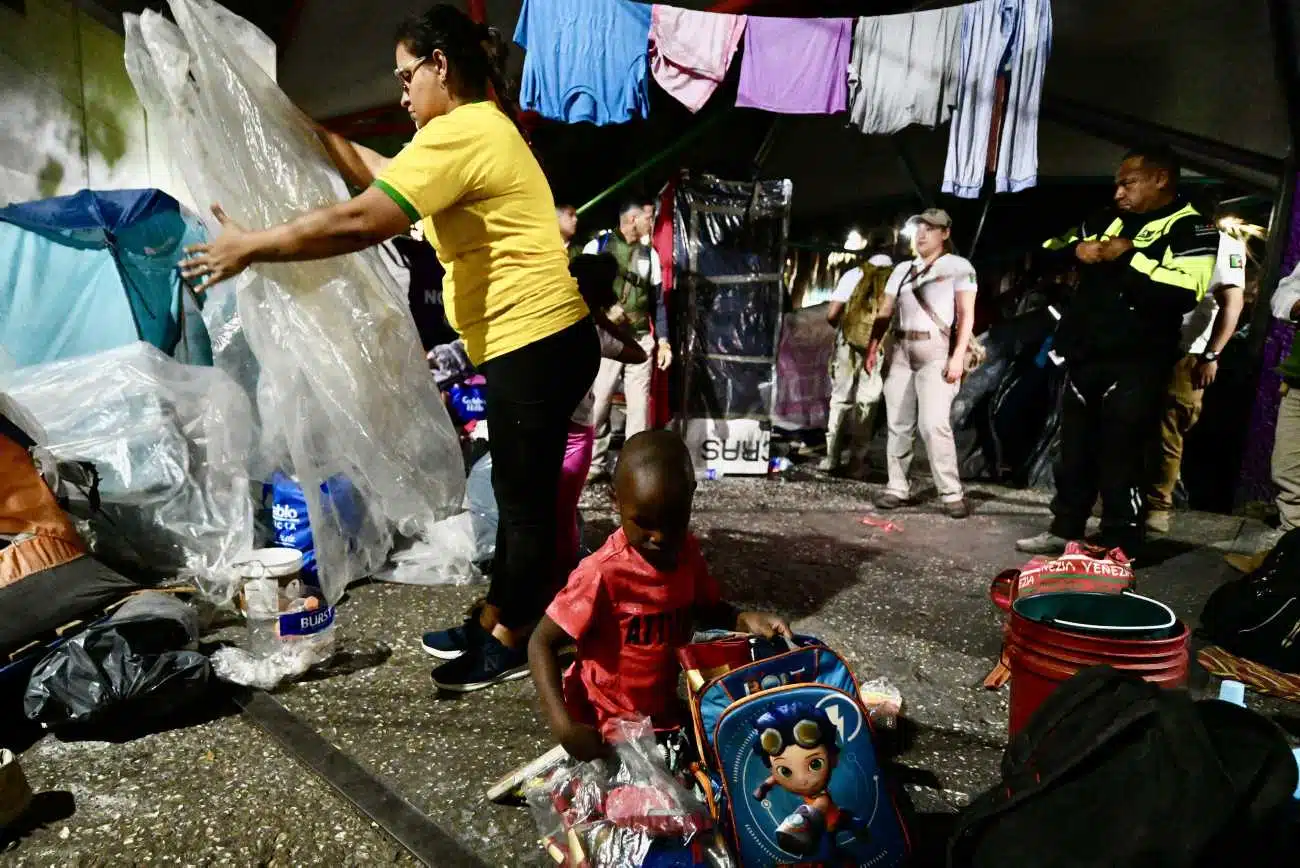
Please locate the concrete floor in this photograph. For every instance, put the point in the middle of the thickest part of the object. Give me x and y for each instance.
(909, 605)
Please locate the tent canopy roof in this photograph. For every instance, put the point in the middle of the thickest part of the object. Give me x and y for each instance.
(1203, 67)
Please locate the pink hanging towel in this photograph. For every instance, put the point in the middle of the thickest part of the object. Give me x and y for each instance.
(796, 66)
(690, 51)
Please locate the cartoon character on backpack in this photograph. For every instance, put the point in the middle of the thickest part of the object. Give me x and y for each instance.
(799, 744)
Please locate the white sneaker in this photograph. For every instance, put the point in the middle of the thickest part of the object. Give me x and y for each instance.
(1046, 543)
(15, 794)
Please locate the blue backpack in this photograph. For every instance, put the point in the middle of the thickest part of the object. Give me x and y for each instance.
(792, 773)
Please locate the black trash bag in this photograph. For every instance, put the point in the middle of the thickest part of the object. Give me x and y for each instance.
(124, 673)
(1258, 617)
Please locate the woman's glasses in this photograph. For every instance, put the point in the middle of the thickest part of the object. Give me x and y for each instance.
(404, 74)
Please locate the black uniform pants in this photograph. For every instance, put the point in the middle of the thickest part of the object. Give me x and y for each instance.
(1110, 428)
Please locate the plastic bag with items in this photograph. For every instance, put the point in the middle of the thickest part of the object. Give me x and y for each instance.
(170, 443)
(624, 812)
(343, 386)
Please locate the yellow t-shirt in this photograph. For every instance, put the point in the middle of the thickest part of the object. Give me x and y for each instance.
(489, 212)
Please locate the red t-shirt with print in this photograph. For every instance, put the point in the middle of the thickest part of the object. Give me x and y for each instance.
(629, 619)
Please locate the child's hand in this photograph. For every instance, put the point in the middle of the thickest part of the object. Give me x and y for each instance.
(582, 742)
(763, 624)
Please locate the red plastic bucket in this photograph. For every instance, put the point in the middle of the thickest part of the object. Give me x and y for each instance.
(1042, 656)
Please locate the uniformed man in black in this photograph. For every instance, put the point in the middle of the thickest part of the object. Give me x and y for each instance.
(1143, 266)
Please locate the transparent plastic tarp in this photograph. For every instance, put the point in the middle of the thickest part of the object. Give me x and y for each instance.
(342, 384)
(729, 239)
(171, 443)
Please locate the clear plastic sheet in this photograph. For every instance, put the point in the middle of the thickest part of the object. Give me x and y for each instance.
(342, 384)
(171, 443)
(447, 557)
(615, 813)
(729, 239)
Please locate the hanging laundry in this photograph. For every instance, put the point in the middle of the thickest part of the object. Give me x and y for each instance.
(1015, 35)
(690, 51)
(796, 66)
(904, 70)
(585, 60)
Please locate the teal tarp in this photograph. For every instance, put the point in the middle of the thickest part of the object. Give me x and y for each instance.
(96, 270)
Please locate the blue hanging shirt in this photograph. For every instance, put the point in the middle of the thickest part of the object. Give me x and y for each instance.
(586, 60)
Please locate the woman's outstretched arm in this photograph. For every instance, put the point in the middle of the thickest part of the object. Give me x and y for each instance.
(360, 222)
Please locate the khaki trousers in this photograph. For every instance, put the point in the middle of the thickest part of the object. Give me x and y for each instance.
(1286, 459)
(854, 396)
(1182, 409)
(636, 390)
(916, 395)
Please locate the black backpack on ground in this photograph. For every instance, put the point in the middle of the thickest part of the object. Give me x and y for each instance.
(1112, 772)
(1258, 617)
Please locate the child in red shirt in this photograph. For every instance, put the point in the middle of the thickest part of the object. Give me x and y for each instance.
(632, 605)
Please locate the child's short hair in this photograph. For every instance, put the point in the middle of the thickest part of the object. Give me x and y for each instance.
(659, 451)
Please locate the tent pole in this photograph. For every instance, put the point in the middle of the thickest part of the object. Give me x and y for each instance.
(984, 213)
(1253, 476)
(913, 174)
(672, 150)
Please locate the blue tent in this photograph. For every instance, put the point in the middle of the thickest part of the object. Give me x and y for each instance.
(96, 270)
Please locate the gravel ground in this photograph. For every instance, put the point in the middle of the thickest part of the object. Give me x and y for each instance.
(909, 605)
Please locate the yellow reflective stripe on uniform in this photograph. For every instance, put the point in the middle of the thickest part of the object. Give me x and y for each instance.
(1115, 227)
(1160, 227)
(1061, 241)
(1192, 273)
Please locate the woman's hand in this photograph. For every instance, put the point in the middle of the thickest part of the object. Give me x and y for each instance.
(956, 367)
(221, 258)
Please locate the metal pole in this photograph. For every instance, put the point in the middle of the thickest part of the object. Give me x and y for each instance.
(1285, 21)
(989, 186)
(913, 174)
(672, 150)
(1278, 236)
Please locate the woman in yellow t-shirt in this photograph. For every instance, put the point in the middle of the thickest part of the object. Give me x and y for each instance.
(471, 180)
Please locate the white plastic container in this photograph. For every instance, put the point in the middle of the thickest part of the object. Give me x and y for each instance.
(284, 613)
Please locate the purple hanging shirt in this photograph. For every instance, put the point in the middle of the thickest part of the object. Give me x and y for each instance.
(796, 66)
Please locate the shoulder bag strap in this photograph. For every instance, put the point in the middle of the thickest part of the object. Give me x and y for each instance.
(944, 330)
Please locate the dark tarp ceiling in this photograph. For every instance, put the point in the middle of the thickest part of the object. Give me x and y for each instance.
(1204, 67)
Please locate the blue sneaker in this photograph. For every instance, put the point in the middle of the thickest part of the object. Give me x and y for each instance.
(485, 664)
(454, 642)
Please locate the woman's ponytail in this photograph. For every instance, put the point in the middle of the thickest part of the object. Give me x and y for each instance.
(497, 52)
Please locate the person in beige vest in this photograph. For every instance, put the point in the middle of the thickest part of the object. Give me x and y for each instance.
(855, 393)
(930, 306)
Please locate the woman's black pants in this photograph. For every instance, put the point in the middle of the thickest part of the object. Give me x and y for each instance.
(531, 395)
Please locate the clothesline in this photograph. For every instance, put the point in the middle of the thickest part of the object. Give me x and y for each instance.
(592, 61)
